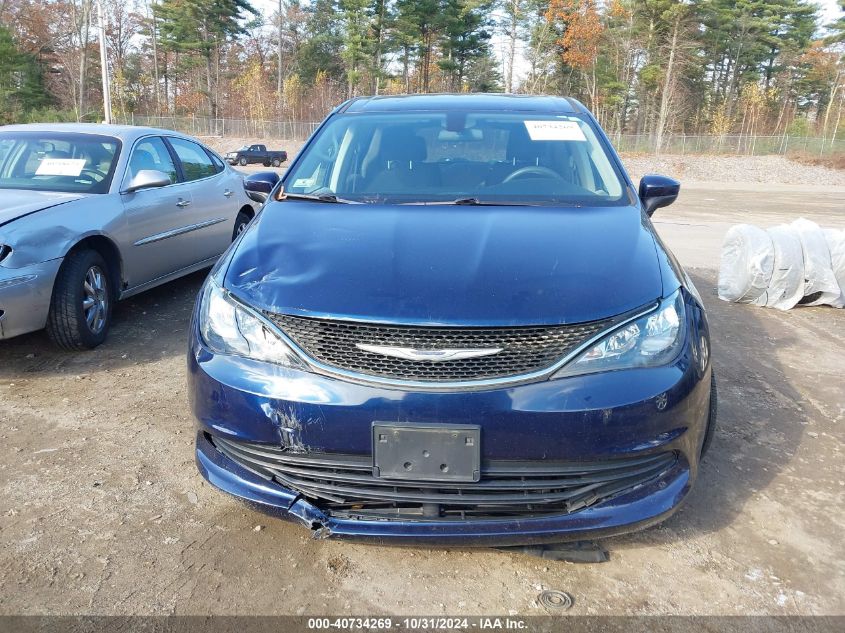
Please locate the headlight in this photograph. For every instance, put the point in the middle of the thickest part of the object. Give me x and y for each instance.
(227, 327)
(652, 340)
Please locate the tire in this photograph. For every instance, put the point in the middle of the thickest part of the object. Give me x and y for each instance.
(277, 162)
(711, 418)
(83, 280)
(241, 221)
(266, 164)
(242, 161)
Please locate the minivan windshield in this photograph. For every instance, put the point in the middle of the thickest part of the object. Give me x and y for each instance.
(467, 157)
(57, 161)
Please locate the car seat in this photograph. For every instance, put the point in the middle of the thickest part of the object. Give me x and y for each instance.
(398, 165)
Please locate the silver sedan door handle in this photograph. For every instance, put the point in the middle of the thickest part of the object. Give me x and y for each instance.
(183, 203)
(228, 193)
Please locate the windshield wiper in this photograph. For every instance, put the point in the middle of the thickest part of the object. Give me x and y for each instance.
(475, 202)
(323, 197)
(470, 202)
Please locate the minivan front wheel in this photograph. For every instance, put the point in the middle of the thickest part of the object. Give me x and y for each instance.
(81, 306)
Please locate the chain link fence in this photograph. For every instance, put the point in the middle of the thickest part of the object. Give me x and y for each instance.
(232, 128)
(625, 143)
(728, 144)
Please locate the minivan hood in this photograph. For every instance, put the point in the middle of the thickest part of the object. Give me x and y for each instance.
(16, 203)
(446, 264)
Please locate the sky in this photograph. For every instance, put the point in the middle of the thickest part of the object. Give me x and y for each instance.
(830, 12)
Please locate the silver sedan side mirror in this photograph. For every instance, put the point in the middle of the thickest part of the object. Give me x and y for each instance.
(147, 179)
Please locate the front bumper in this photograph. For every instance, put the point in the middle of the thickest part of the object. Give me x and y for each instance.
(25, 295)
(595, 417)
(635, 510)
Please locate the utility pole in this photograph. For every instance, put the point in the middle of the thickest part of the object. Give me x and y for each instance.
(104, 65)
(279, 32)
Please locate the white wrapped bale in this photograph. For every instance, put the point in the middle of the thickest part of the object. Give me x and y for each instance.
(786, 287)
(836, 244)
(819, 281)
(746, 265)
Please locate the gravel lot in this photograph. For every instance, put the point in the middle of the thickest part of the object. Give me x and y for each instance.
(103, 510)
(733, 169)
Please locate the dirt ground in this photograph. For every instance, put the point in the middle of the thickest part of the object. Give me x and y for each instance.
(102, 510)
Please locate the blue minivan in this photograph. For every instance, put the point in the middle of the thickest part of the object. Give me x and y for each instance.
(453, 322)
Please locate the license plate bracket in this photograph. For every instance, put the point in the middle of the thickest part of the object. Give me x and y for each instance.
(427, 452)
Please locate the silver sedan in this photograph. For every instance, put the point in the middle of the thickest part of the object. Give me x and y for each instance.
(90, 214)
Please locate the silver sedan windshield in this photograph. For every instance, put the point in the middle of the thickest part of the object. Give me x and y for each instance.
(54, 161)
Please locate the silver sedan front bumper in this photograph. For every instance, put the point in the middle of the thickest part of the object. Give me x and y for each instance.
(25, 295)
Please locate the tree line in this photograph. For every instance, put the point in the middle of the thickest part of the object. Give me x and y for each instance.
(646, 66)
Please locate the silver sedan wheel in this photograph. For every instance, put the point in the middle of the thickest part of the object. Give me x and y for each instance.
(95, 301)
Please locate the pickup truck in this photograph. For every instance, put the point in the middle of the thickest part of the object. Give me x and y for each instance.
(250, 154)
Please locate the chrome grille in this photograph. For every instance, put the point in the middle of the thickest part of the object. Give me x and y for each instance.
(524, 349)
(344, 485)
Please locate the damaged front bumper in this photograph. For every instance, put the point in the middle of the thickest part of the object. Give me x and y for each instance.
(613, 416)
(25, 295)
(638, 509)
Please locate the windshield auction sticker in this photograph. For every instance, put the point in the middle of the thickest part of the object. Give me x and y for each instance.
(554, 131)
(60, 167)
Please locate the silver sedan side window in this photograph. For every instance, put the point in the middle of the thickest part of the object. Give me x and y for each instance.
(195, 162)
(151, 153)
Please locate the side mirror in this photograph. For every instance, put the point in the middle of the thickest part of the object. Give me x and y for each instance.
(147, 179)
(259, 185)
(658, 191)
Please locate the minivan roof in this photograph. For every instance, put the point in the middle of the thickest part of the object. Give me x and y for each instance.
(495, 102)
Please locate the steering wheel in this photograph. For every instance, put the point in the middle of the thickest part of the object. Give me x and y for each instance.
(535, 170)
(95, 173)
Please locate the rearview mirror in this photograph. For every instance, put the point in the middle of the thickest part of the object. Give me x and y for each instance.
(259, 185)
(148, 179)
(658, 191)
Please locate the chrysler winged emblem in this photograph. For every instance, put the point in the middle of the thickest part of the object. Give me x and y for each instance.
(431, 355)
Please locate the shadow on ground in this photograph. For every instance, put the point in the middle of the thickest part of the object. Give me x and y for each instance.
(760, 420)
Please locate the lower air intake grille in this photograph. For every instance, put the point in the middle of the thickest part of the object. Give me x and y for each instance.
(344, 485)
(523, 349)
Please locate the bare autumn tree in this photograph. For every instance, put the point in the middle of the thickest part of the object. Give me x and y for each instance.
(540, 50)
(82, 15)
(516, 19)
(675, 16)
(289, 20)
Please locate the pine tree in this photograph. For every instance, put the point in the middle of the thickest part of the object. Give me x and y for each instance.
(201, 27)
(21, 84)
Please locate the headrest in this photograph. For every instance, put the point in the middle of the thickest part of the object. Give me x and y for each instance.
(402, 146)
(520, 146)
(142, 159)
